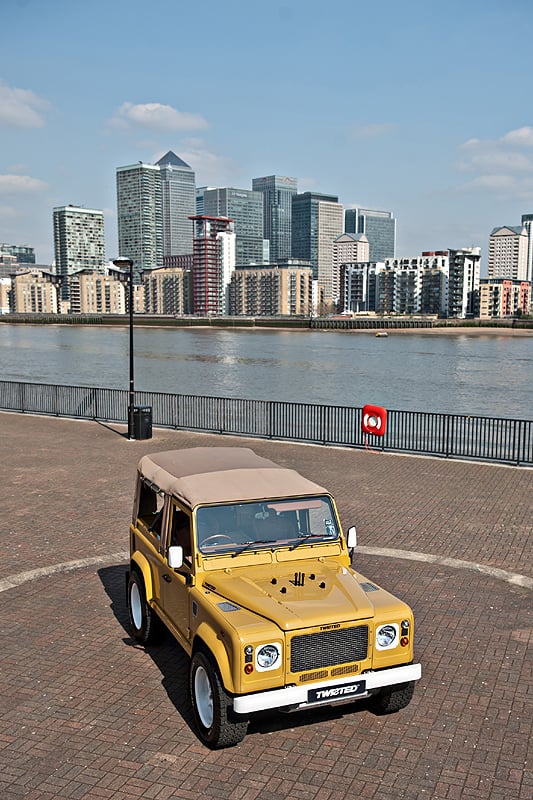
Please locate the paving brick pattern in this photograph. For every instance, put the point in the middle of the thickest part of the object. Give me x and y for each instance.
(86, 713)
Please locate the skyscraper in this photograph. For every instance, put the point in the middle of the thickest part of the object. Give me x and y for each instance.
(508, 251)
(527, 222)
(380, 230)
(178, 204)
(140, 216)
(213, 263)
(245, 207)
(78, 241)
(317, 220)
(277, 194)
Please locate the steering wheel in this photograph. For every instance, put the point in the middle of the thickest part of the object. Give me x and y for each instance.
(217, 536)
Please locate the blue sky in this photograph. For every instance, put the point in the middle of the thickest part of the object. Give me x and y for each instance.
(421, 108)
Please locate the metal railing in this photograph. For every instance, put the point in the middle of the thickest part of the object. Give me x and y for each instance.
(447, 435)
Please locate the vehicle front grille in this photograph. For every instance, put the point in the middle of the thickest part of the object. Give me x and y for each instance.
(328, 648)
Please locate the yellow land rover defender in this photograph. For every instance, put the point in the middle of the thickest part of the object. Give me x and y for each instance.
(246, 564)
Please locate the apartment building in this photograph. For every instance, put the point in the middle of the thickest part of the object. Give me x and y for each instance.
(502, 297)
(463, 282)
(78, 241)
(213, 262)
(21, 254)
(270, 290)
(5, 295)
(93, 293)
(140, 216)
(508, 253)
(36, 292)
(397, 285)
(168, 290)
(348, 248)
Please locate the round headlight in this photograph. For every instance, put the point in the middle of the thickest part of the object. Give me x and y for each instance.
(267, 656)
(385, 636)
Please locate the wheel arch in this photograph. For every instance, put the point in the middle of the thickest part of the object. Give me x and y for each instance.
(141, 564)
(207, 641)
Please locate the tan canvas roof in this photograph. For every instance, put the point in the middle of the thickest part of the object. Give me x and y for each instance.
(222, 474)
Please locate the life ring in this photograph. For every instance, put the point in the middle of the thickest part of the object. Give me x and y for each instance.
(374, 420)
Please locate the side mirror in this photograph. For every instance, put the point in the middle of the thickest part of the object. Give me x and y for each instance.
(175, 556)
(351, 539)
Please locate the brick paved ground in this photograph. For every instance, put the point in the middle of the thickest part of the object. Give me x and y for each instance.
(85, 713)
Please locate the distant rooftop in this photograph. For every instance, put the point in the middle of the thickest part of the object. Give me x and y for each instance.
(172, 159)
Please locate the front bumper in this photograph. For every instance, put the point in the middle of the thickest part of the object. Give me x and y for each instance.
(326, 691)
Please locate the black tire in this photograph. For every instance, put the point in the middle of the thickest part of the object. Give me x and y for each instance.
(212, 706)
(392, 698)
(144, 623)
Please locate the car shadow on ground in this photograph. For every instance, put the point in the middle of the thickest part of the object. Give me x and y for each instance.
(173, 664)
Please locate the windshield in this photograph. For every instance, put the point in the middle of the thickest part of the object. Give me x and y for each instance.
(272, 523)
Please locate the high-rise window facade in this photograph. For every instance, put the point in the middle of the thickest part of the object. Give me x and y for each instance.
(140, 216)
(379, 227)
(277, 192)
(245, 207)
(508, 251)
(178, 204)
(463, 282)
(317, 220)
(213, 263)
(78, 241)
(527, 223)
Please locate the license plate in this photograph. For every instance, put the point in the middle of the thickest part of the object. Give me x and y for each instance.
(342, 692)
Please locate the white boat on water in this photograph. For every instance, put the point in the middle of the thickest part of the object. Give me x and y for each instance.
(382, 333)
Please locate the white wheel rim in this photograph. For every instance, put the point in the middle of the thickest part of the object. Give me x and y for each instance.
(136, 606)
(204, 697)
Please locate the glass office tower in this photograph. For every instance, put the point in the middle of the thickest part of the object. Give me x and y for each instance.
(380, 230)
(245, 207)
(178, 203)
(140, 216)
(277, 192)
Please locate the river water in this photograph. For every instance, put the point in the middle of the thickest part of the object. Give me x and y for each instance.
(478, 374)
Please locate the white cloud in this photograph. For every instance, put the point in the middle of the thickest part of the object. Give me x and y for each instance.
(494, 182)
(372, 129)
(20, 184)
(522, 137)
(157, 117)
(20, 108)
(210, 168)
(502, 166)
(495, 160)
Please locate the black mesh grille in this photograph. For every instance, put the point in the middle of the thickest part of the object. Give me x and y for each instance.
(328, 648)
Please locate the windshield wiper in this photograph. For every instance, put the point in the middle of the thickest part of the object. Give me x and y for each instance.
(306, 538)
(248, 545)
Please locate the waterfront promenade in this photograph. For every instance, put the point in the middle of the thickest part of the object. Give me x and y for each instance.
(88, 714)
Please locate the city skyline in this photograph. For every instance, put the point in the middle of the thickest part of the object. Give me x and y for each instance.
(405, 119)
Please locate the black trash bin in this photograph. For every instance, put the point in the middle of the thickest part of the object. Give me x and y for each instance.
(142, 422)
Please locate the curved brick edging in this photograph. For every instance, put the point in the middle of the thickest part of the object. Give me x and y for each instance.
(514, 578)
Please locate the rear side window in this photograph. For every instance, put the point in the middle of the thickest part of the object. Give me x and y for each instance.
(150, 508)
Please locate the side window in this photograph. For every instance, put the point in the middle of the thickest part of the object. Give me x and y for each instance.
(151, 509)
(180, 532)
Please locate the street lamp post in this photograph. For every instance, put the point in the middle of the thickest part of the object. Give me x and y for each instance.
(123, 263)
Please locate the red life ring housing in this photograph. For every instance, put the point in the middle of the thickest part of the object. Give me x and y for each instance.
(374, 420)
